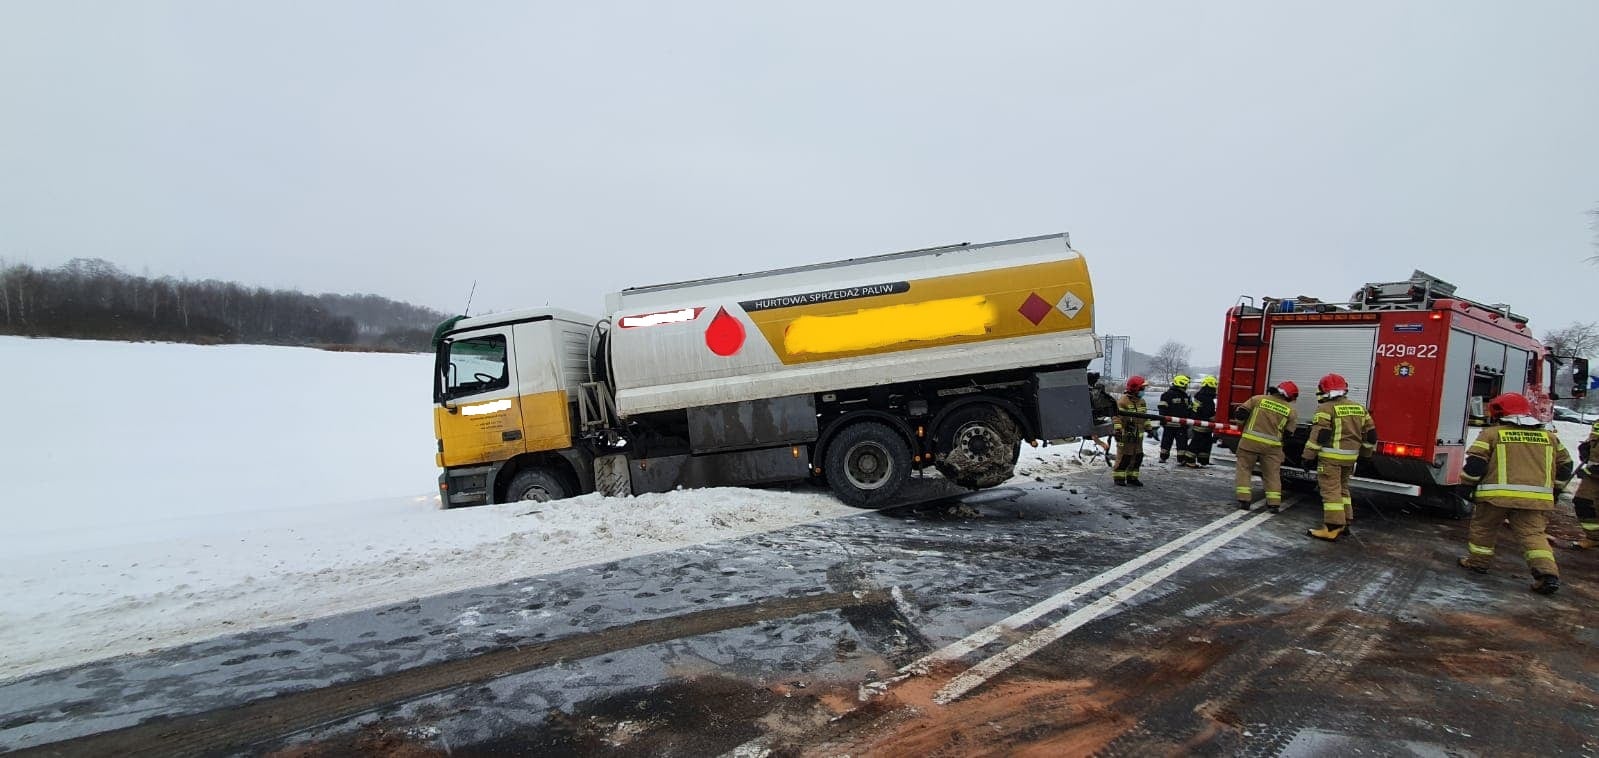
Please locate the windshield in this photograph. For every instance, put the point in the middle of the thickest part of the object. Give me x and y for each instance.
(471, 366)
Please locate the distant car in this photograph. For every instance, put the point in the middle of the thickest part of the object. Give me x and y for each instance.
(1563, 413)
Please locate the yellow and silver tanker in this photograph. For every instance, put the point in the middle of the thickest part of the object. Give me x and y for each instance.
(855, 371)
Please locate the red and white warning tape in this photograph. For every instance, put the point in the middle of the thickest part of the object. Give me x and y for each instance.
(1218, 427)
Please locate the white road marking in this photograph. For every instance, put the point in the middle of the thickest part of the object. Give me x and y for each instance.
(991, 667)
(992, 632)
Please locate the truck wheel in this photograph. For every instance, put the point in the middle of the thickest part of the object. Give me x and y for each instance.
(978, 446)
(538, 485)
(867, 463)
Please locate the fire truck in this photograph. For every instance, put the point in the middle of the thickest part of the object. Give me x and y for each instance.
(1423, 361)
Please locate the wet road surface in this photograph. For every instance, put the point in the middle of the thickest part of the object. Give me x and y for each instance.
(1156, 620)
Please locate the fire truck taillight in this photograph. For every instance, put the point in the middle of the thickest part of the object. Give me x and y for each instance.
(1401, 451)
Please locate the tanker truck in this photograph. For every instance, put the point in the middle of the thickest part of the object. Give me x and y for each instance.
(852, 373)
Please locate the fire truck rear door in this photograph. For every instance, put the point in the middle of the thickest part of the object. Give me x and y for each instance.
(1303, 354)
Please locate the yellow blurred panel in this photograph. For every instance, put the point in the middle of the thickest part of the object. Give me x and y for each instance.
(874, 328)
(1004, 290)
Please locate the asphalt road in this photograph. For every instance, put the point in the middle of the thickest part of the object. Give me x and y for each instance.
(1063, 615)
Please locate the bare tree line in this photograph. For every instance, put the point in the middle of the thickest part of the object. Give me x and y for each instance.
(1169, 361)
(90, 298)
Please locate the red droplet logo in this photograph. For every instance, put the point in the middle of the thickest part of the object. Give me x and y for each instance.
(725, 335)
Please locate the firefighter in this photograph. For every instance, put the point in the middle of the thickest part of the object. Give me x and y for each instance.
(1517, 469)
(1175, 403)
(1588, 492)
(1266, 419)
(1341, 433)
(1200, 440)
(1130, 433)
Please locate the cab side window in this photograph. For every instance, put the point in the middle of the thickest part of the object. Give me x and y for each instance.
(476, 365)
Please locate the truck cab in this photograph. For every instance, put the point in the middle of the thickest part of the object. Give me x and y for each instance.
(505, 388)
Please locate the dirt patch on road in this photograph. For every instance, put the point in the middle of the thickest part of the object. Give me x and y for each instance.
(1030, 713)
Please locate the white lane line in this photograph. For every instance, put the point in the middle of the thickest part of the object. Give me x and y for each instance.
(992, 632)
(991, 667)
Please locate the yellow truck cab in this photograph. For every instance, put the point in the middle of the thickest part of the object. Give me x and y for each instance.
(504, 390)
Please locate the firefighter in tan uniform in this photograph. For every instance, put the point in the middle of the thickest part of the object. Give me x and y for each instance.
(1130, 433)
(1266, 419)
(1517, 468)
(1588, 492)
(1341, 434)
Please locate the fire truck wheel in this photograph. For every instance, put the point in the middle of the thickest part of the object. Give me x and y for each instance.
(538, 485)
(867, 464)
(978, 446)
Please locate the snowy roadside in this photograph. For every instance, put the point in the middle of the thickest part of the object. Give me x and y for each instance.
(160, 494)
(185, 580)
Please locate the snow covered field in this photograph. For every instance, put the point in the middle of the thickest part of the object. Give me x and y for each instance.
(158, 494)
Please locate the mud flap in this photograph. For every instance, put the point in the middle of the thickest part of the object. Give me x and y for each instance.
(611, 477)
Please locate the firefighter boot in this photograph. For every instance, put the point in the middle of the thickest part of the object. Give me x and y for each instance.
(1328, 532)
(1132, 481)
(1466, 564)
(1243, 505)
(1545, 584)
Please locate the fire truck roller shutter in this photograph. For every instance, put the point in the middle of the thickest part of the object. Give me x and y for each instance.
(1304, 354)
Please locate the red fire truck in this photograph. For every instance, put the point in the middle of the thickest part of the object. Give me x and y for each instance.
(1424, 361)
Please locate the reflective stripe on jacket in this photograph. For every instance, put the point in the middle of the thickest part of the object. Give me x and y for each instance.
(1341, 432)
(1175, 402)
(1518, 467)
(1131, 427)
(1270, 417)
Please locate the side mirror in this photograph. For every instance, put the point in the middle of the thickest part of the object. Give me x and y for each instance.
(1569, 382)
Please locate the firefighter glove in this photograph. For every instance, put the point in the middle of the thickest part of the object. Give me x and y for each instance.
(1308, 464)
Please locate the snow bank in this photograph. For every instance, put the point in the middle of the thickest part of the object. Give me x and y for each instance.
(160, 494)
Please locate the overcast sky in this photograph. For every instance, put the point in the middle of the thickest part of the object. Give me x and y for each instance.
(557, 151)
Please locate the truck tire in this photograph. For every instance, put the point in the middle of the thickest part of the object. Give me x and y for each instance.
(978, 446)
(538, 485)
(867, 464)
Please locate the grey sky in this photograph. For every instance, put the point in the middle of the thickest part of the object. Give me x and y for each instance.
(556, 151)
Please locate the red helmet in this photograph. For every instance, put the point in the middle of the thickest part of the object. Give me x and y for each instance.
(1509, 404)
(1136, 384)
(1288, 390)
(1332, 383)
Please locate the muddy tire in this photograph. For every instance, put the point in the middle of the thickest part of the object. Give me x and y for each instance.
(867, 464)
(537, 485)
(978, 447)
